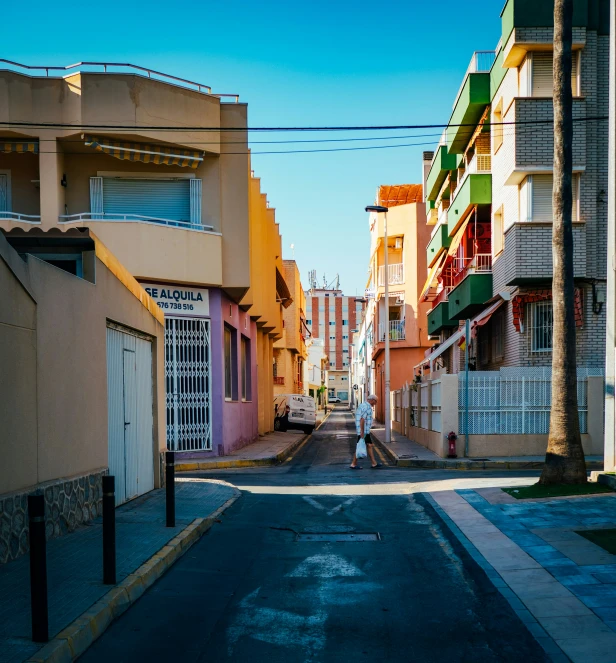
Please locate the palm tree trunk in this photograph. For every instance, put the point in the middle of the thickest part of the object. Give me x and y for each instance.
(564, 460)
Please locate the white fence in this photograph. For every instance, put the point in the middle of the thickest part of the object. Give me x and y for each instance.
(514, 401)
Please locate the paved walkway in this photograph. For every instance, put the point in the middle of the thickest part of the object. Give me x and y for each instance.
(269, 449)
(74, 561)
(408, 453)
(559, 583)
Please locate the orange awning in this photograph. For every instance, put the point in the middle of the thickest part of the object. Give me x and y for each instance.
(432, 275)
(457, 238)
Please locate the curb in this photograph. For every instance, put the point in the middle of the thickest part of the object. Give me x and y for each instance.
(469, 463)
(73, 641)
(605, 479)
(247, 462)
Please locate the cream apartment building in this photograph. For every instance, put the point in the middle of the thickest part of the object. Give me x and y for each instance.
(84, 149)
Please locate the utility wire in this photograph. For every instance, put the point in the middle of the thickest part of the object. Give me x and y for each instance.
(59, 125)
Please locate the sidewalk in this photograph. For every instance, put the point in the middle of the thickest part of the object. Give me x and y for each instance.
(562, 586)
(74, 567)
(407, 453)
(269, 449)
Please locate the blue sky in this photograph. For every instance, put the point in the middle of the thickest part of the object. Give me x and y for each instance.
(295, 64)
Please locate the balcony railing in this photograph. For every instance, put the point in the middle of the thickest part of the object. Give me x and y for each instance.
(396, 274)
(397, 331)
(279, 380)
(22, 218)
(481, 61)
(481, 262)
(480, 164)
(66, 219)
(442, 296)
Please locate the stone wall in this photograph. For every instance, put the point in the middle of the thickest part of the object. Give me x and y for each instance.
(69, 503)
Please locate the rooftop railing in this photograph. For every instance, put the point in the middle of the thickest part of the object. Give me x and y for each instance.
(481, 61)
(151, 73)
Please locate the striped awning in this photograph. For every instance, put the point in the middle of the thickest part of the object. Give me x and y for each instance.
(457, 239)
(21, 146)
(168, 156)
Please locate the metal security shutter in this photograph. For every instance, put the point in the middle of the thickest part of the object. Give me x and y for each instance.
(159, 199)
(543, 74)
(542, 198)
(542, 188)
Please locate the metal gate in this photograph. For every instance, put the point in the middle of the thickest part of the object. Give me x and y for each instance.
(189, 384)
(130, 413)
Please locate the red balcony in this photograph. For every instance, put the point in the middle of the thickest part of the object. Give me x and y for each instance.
(279, 380)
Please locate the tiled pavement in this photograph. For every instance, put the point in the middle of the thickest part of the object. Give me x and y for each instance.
(560, 584)
(74, 561)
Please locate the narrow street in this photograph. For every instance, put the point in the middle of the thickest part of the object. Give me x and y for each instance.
(266, 585)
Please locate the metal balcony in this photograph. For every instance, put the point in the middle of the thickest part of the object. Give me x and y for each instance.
(397, 331)
(396, 274)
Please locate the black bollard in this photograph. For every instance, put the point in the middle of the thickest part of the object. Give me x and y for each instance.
(109, 531)
(170, 487)
(38, 568)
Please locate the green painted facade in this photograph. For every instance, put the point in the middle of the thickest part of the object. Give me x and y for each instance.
(442, 164)
(591, 14)
(497, 74)
(430, 204)
(473, 99)
(438, 244)
(475, 190)
(469, 297)
(438, 319)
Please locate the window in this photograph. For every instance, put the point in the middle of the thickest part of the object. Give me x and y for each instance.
(332, 338)
(308, 322)
(345, 350)
(498, 336)
(540, 326)
(498, 234)
(345, 338)
(332, 323)
(345, 322)
(536, 198)
(246, 370)
(230, 364)
(344, 377)
(173, 200)
(497, 131)
(542, 74)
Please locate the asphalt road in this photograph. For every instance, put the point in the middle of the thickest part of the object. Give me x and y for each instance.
(257, 588)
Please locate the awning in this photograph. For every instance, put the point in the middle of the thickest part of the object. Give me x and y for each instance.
(530, 296)
(282, 290)
(478, 320)
(169, 156)
(21, 146)
(457, 238)
(432, 275)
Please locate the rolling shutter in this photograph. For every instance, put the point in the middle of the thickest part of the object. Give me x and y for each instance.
(156, 198)
(542, 198)
(543, 74)
(195, 202)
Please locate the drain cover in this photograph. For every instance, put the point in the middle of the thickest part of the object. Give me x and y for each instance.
(338, 537)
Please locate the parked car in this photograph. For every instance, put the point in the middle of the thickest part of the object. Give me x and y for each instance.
(294, 412)
(334, 399)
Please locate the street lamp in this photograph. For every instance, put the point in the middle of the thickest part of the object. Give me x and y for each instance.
(379, 209)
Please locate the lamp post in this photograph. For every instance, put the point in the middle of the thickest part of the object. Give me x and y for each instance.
(379, 209)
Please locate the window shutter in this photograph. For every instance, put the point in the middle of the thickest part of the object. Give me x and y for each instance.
(543, 74)
(542, 198)
(195, 202)
(4, 194)
(157, 199)
(96, 197)
(575, 63)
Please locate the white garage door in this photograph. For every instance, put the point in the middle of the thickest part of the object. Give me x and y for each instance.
(130, 413)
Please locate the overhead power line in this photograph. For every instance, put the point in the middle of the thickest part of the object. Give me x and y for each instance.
(116, 127)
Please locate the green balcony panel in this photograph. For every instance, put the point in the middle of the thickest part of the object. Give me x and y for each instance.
(591, 14)
(430, 204)
(475, 190)
(439, 243)
(473, 99)
(442, 164)
(469, 297)
(438, 319)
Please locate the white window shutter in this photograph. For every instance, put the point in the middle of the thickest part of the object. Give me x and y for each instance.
(543, 74)
(542, 198)
(96, 197)
(195, 202)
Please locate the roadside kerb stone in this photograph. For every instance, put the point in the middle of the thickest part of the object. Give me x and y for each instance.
(73, 641)
(236, 463)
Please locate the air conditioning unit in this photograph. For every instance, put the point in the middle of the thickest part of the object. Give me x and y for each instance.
(399, 302)
(398, 244)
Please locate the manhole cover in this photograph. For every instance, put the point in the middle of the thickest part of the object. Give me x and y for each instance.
(339, 537)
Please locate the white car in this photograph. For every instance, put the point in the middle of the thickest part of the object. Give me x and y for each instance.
(334, 399)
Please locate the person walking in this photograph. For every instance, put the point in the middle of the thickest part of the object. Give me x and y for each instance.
(363, 424)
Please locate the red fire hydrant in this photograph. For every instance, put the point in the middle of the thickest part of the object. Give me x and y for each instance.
(452, 437)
